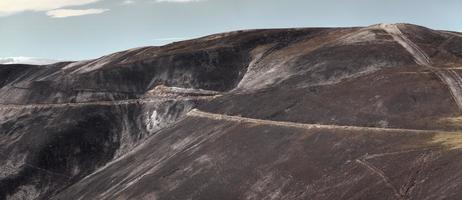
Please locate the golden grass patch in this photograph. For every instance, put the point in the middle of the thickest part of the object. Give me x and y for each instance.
(449, 140)
(451, 121)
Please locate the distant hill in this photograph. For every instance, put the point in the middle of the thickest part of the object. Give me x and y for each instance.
(27, 60)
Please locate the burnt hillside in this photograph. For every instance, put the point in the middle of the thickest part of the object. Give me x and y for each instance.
(311, 113)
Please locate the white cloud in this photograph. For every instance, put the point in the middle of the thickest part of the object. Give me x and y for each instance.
(127, 2)
(178, 1)
(26, 60)
(62, 13)
(8, 7)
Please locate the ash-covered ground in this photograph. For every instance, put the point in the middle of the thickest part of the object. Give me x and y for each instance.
(312, 113)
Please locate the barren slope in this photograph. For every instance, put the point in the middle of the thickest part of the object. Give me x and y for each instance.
(326, 113)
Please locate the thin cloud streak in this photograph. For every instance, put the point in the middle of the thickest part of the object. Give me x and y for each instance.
(9, 7)
(177, 1)
(127, 2)
(63, 13)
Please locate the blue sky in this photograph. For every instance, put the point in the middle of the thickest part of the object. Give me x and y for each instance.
(83, 29)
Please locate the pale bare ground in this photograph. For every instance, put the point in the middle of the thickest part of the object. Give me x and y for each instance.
(213, 116)
(448, 76)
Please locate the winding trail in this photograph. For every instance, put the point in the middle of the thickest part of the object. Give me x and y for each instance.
(382, 175)
(213, 116)
(448, 76)
(453, 81)
(102, 103)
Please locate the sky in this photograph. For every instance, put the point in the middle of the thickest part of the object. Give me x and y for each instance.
(85, 29)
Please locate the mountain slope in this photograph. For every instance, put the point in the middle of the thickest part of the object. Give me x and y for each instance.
(325, 113)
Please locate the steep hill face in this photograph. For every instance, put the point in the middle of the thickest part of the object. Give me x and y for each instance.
(315, 113)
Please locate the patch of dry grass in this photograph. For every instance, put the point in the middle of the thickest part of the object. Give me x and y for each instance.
(451, 141)
(451, 121)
